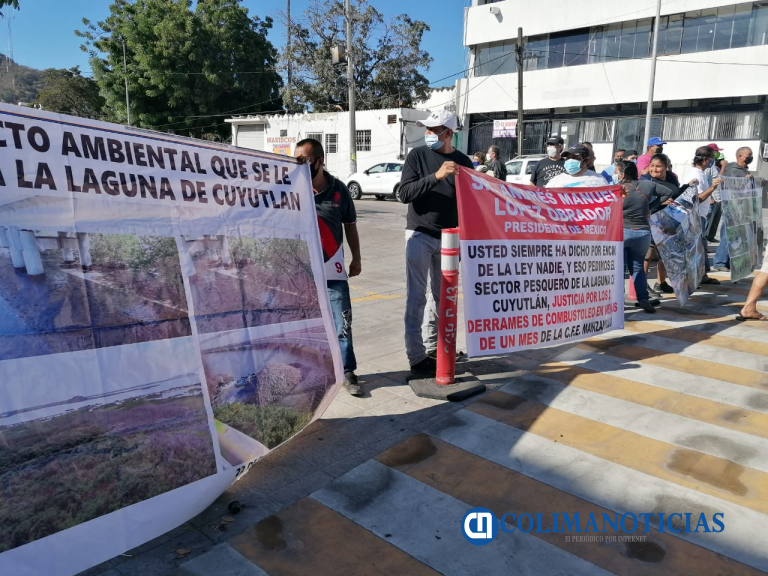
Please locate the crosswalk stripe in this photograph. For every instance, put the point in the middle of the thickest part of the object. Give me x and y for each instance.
(736, 330)
(704, 314)
(426, 524)
(645, 421)
(478, 482)
(309, 537)
(705, 351)
(708, 474)
(679, 363)
(696, 337)
(671, 401)
(740, 397)
(606, 483)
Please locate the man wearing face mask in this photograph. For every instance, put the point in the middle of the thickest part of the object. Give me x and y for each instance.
(738, 169)
(549, 167)
(610, 173)
(336, 217)
(655, 146)
(428, 186)
(495, 165)
(576, 173)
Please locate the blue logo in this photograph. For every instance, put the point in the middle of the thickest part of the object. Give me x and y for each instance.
(479, 526)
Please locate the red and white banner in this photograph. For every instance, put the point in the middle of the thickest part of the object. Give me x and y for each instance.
(539, 267)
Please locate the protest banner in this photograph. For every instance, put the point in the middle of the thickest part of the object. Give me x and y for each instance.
(743, 215)
(676, 230)
(538, 267)
(165, 323)
(504, 128)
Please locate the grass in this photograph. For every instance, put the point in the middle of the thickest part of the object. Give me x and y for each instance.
(58, 473)
(270, 425)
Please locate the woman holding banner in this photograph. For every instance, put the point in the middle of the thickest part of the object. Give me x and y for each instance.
(638, 196)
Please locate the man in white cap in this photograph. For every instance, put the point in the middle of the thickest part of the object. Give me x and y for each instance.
(428, 186)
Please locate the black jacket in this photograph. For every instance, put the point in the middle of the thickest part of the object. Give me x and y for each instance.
(432, 203)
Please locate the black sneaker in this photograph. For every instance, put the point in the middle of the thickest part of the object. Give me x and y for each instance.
(646, 305)
(663, 287)
(721, 269)
(708, 280)
(350, 383)
(652, 292)
(426, 367)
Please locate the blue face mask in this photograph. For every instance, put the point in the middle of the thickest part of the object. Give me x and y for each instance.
(433, 141)
(572, 166)
(475, 163)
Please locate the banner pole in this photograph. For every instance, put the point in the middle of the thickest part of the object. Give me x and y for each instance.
(447, 321)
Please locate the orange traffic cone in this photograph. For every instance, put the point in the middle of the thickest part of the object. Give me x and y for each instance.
(632, 293)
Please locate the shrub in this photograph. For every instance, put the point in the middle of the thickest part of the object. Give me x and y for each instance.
(270, 425)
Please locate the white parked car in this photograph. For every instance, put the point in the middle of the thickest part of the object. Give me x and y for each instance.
(520, 169)
(381, 180)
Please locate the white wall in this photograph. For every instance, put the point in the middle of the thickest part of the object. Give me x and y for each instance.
(557, 15)
(439, 99)
(385, 138)
(677, 78)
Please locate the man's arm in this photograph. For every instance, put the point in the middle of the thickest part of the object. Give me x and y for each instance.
(413, 184)
(353, 239)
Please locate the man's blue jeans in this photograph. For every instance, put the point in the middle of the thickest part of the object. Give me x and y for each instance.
(636, 243)
(722, 258)
(341, 306)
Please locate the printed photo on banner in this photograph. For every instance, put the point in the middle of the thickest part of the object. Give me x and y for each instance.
(114, 427)
(63, 291)
(743, 216)
(266, 383)
(677, 233)
(240, 281)
(539, 267)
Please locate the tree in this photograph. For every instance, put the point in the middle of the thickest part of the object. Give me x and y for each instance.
(11, 3)
(68, 92)
(388, 59)
(186, 69)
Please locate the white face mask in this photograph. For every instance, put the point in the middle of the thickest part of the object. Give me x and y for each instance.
(551, 151)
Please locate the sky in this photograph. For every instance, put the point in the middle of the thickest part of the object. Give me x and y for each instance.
(43, 30)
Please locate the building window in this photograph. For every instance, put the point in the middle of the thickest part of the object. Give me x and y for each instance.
(734, 26)
(283, 133)
(315, 136)
(688, 127)
(331, 143)
(363, 140)
(392, 119)
(597, 130)
(736, 126)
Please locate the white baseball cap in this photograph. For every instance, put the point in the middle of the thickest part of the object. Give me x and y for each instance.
(440, 118)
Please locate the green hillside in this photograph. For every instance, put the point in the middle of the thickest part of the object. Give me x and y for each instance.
(28, 82)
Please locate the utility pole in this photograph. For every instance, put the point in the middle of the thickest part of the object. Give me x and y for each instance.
(649, 111)
(351, 82)
(519, 50)
(288, 51)
(125, 75)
